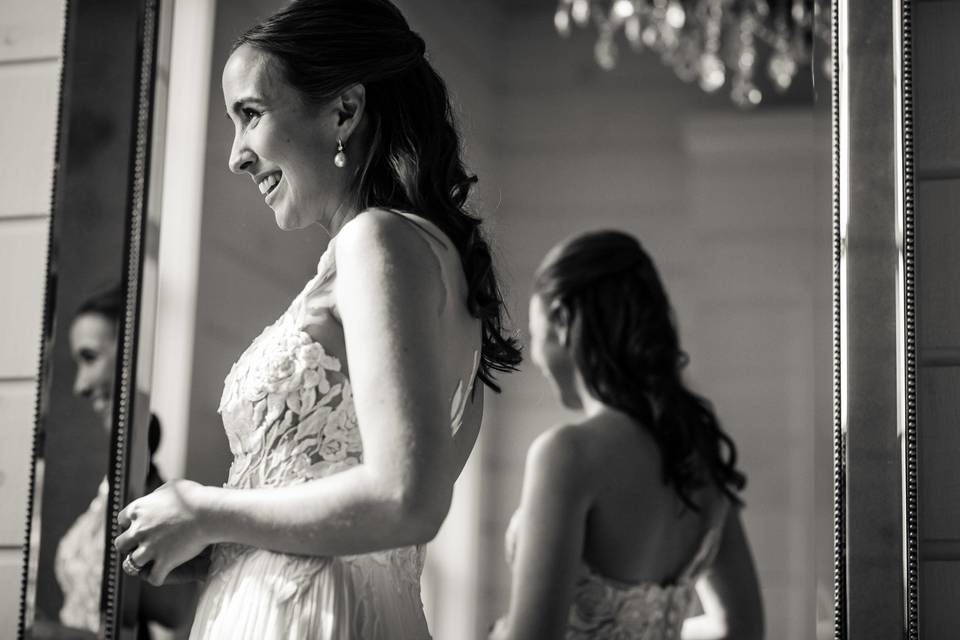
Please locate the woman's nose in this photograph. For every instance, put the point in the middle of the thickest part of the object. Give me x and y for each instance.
(241, 157)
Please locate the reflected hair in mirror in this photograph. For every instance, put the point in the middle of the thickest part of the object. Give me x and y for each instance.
(628, 352)
(107, 303)
(412, 158)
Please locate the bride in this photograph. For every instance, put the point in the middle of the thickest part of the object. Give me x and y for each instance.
(634, 507)
(351, 416)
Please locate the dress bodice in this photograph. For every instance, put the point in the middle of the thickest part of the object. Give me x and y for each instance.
(606, 608)
(287, 407)
(288, 410)
(79, 565)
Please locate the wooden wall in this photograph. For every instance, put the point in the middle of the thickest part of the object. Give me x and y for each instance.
(937, 113)
(30, 49)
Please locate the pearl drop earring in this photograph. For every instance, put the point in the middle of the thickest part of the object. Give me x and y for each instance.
(341, 158)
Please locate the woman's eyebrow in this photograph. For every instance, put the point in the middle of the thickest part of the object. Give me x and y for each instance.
(239, 102)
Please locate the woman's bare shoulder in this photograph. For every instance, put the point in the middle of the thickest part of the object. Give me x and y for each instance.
(379, 237)
(378, 228)
(561, 445)
(572, 449)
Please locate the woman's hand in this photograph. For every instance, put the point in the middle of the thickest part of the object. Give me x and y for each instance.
(163, 529)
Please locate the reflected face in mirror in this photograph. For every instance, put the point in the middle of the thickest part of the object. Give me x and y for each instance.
(284, 143)
(550, 350)
(93, 345)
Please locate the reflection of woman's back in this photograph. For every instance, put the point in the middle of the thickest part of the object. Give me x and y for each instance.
(628, 508)
(78, 563)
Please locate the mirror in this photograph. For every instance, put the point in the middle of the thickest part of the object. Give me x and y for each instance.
(86, 302)
(90, 455)
(731, 204)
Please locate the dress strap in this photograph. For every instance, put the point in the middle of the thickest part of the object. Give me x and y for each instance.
(710, 544)
(319, 299)
(424, 225)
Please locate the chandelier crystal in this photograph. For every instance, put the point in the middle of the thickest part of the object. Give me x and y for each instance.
(716, 43)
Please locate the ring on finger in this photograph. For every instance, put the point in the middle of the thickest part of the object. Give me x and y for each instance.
(130, 566)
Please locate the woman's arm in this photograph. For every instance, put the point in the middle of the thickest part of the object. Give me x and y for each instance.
(390, 298)
(553, 514)
(729, 591)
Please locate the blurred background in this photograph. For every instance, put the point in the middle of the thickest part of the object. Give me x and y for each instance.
(732, 203)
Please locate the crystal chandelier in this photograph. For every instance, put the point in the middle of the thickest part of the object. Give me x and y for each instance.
(716, 43)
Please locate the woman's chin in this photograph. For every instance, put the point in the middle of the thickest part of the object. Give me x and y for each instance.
(285, 221)
(290, 221)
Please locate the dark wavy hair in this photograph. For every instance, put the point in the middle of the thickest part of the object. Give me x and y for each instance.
(629, 354)
(107, 303)
(413, 158)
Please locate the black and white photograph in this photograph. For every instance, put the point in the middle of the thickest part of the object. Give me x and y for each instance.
(480, 320)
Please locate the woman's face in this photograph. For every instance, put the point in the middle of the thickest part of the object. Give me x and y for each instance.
(93, 345)
(550, 351)
(286, 145)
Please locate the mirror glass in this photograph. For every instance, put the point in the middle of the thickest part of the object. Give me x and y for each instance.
(85, 299)
(732, 203)
(96, 186)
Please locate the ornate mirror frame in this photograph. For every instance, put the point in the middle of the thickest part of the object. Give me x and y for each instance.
(875, 355)
(876, 538)
(132, 34)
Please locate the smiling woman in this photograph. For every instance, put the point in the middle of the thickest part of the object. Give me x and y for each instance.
(286, 144)
(351, 416)
(93, 343)
(79, 564)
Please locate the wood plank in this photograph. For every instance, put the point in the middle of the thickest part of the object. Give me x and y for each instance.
(934, 549)
(937, 86)
(940, 617)
(938, 264)
(31, 29)
(938, 415)
(29, 127)
(17, 402)
(23, 248)
(940, 357)
(11, 560)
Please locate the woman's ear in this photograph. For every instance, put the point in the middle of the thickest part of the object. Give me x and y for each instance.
(560, 322)
(350, 106)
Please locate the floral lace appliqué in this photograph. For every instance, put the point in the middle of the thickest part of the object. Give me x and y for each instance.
(603, 609)
(288, 411)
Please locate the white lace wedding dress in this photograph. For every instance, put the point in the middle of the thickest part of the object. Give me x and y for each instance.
(289, 415)
(607, 609)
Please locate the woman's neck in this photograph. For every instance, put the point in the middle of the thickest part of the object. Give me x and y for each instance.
(589, 404)
(343, 214)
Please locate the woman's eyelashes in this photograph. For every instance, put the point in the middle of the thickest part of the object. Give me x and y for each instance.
(245, 116)
(250, 116)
